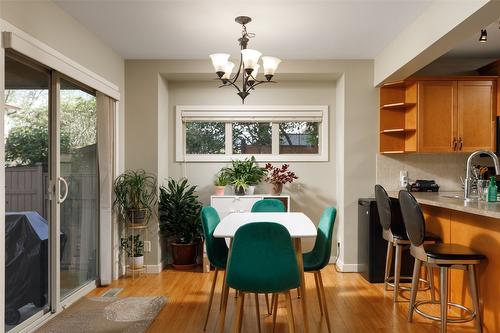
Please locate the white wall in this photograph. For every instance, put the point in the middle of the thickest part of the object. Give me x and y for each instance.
(150, 134)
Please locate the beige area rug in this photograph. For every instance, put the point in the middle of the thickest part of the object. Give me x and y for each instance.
(107, 314)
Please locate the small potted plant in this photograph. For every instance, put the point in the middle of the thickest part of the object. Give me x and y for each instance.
(244, 175)
(179, 215)
(220, 183)
(279, 176)
(134, 247)
(135, 196)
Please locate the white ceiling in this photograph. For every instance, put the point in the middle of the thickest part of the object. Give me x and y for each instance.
(291, 29)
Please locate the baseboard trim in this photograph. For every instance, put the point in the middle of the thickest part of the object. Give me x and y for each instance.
(333, 260)
(348, 268)
(154, 269)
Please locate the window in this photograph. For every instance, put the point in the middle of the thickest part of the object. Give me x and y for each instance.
(270, 133)
(205, 138)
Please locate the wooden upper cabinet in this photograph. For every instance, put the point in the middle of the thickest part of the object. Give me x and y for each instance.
(476, 115)
(436, 116)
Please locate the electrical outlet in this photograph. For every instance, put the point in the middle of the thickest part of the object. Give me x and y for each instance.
(147, 246)
(403, 178)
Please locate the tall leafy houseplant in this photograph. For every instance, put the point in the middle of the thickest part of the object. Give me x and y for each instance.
(135, 196)
(179, 214)
(244, 173)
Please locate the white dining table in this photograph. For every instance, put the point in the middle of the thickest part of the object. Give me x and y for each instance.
(298, 225)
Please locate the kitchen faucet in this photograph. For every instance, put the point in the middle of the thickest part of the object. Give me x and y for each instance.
(468, 173)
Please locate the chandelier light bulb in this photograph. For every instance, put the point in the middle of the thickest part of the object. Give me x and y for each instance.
(228, 70)
(270, 65)
(250, 58)
(219, 61)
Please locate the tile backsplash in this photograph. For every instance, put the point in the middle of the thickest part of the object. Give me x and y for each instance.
(445, 169)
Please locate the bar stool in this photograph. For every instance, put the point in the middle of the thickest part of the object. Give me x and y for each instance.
(443, 256)
(394, 232)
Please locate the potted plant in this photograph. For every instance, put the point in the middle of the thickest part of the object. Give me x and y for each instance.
(179, 215)
(278, 176)
(135, 195)
(220, 183)
(134, 247)
(244, 175)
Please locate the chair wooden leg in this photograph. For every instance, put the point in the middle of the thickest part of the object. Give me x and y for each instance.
(444, 297)
(318, 292)
(475, 297)
(267, 304)
(388, 262)
(397, 271)
(275, 309)
(238, 320)
(223, 288)
(323, 298)
(414, 288)
(225, 295)
(211, 298)
(298, 293)
(289, 312)
(257, 310)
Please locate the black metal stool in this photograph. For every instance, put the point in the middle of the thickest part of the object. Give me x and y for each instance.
(394, 232)
(443, 256)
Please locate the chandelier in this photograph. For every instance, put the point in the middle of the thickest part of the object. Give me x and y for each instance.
(248, 67)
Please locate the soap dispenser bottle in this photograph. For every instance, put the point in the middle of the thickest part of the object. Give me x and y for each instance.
(492, 190)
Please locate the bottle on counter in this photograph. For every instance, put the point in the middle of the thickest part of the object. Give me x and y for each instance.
(492, 190)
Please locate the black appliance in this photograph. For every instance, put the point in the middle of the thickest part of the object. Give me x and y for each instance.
(421, 185)
(372, 248)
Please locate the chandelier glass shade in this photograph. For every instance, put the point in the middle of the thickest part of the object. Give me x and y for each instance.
(248, 68)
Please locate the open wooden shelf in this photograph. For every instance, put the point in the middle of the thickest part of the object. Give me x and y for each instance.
(398, 117)
(397, 130)
(397, 106)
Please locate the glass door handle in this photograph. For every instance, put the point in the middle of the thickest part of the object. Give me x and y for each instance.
(63, 198)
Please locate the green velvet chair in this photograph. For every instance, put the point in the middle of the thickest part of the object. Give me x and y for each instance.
(318, 258)
(262, 261)
(268, 206)
(217, 251)
(216, 248)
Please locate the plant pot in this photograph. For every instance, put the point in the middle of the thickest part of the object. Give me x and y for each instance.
(137, 216)
(184, 255)
(238, 190)
(250, 190)
(136, 262)
(277, 188)
(219, 190)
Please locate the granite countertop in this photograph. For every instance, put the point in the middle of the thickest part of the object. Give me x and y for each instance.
(449, 201)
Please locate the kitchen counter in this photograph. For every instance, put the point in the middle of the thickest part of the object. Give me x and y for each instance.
(446, 200)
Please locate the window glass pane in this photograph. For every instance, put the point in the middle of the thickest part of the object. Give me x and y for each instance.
(205, 138)
(299, 137)
(252, 138)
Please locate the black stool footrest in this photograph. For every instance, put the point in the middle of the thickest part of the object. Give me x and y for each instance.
(450, 319)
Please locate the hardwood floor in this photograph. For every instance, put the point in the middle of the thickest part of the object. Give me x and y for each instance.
(354, 305)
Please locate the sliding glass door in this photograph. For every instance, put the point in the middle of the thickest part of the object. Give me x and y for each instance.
(78, 168)
(52, 193)
(27, 218)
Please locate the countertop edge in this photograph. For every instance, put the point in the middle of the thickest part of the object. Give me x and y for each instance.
(437, 199)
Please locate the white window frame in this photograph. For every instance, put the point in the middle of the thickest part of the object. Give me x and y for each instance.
(265, 113)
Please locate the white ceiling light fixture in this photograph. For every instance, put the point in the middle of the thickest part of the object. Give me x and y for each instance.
(248, 67)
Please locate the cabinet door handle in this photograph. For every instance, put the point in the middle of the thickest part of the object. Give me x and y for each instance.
(454, 144)
(461, 143)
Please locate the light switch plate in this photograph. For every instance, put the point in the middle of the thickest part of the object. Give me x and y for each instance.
(147, 246)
